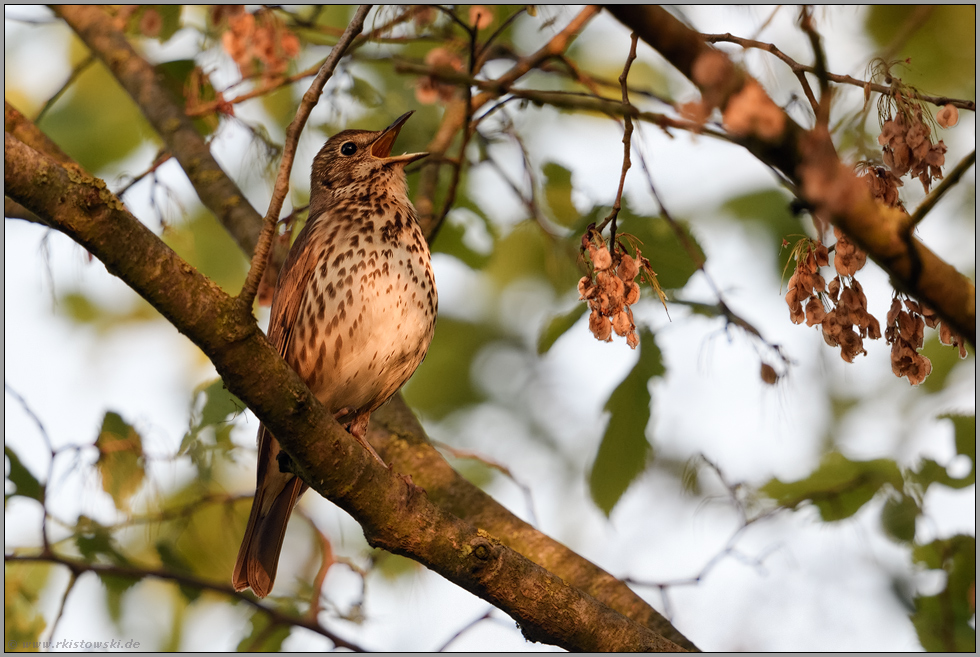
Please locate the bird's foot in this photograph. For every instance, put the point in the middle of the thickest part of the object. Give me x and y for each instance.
(358, 429)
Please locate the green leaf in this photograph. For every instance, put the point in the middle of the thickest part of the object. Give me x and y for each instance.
(943, 621)
(25, 484)
(965, 435)
(443, 383)
(212, 415)
(558, 193)
(97, 123)
(928, 472)
(23, 618)
(176, 76)
(364, 91)
(940, 50)
(264, 637)
(206, 245)
(528, 252)
(94, 540)
(115, 588)
(624, 450)
(81, 309)
(668, 255)
(120, 459)
(898, 518)
(770, 210)
(451, 239)
(174, 561)
(839, 487)
(558, 326)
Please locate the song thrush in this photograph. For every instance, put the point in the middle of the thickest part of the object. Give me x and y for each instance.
(353, 313)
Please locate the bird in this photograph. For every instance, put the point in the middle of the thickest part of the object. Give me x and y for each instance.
(353, 313)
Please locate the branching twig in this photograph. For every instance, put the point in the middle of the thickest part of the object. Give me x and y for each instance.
(77, 567)
(161, 158)
(729, 550)
(796, 67)
(310, 98)
(722, 307)
(561, 100)
(555, 46)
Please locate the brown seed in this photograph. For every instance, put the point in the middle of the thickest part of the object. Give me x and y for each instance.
(601, 258)
(621, 323)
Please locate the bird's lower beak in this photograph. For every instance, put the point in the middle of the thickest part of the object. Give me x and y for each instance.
(381, 148)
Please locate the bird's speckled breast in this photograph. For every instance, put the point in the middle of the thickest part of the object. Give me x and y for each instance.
(373, 298)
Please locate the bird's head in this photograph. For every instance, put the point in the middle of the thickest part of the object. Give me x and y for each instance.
(357, 162)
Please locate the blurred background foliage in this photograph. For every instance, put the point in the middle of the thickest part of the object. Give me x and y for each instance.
(508, 260)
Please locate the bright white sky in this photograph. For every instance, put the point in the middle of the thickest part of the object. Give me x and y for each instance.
(821, 587)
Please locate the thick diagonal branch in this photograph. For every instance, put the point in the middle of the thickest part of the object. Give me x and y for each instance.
(395, 514)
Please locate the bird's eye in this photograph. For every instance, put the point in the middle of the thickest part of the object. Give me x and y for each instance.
(349, 148)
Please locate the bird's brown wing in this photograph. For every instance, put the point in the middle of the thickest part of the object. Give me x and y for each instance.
(276, 492)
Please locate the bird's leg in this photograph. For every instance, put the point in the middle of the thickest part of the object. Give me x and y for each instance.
(358, 429)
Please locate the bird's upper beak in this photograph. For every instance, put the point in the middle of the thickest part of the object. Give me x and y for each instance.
(381, 148)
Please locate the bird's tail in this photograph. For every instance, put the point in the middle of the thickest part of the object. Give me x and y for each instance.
(276, 494)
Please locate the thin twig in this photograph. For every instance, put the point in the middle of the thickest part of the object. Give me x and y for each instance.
(560, 99)
(51, 451)
(555, 46)
(75, 73)
(77, 567)
(499, 467)
(277, 83)
(947, 183)
(819, 65)
(729, 550)
(310, 98)
(162, 157)
(72, 579)
(627, 145)
(795, 66)
(473, 623)
(467, 132)
(731, 317)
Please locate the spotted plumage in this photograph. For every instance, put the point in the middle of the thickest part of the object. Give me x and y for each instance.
(353, 313)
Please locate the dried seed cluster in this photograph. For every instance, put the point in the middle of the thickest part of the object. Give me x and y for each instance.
(848, 321)
(907, 147)
(610, 288)
(906, 322)
(430, 89)
(259, 43)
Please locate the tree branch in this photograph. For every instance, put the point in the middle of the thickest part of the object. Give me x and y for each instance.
(799, 69)
(395, 514)
(216, 190)
(809, 159)
(77, 567)
(940, 190)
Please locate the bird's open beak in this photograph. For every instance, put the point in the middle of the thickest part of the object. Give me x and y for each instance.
(381, 148)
